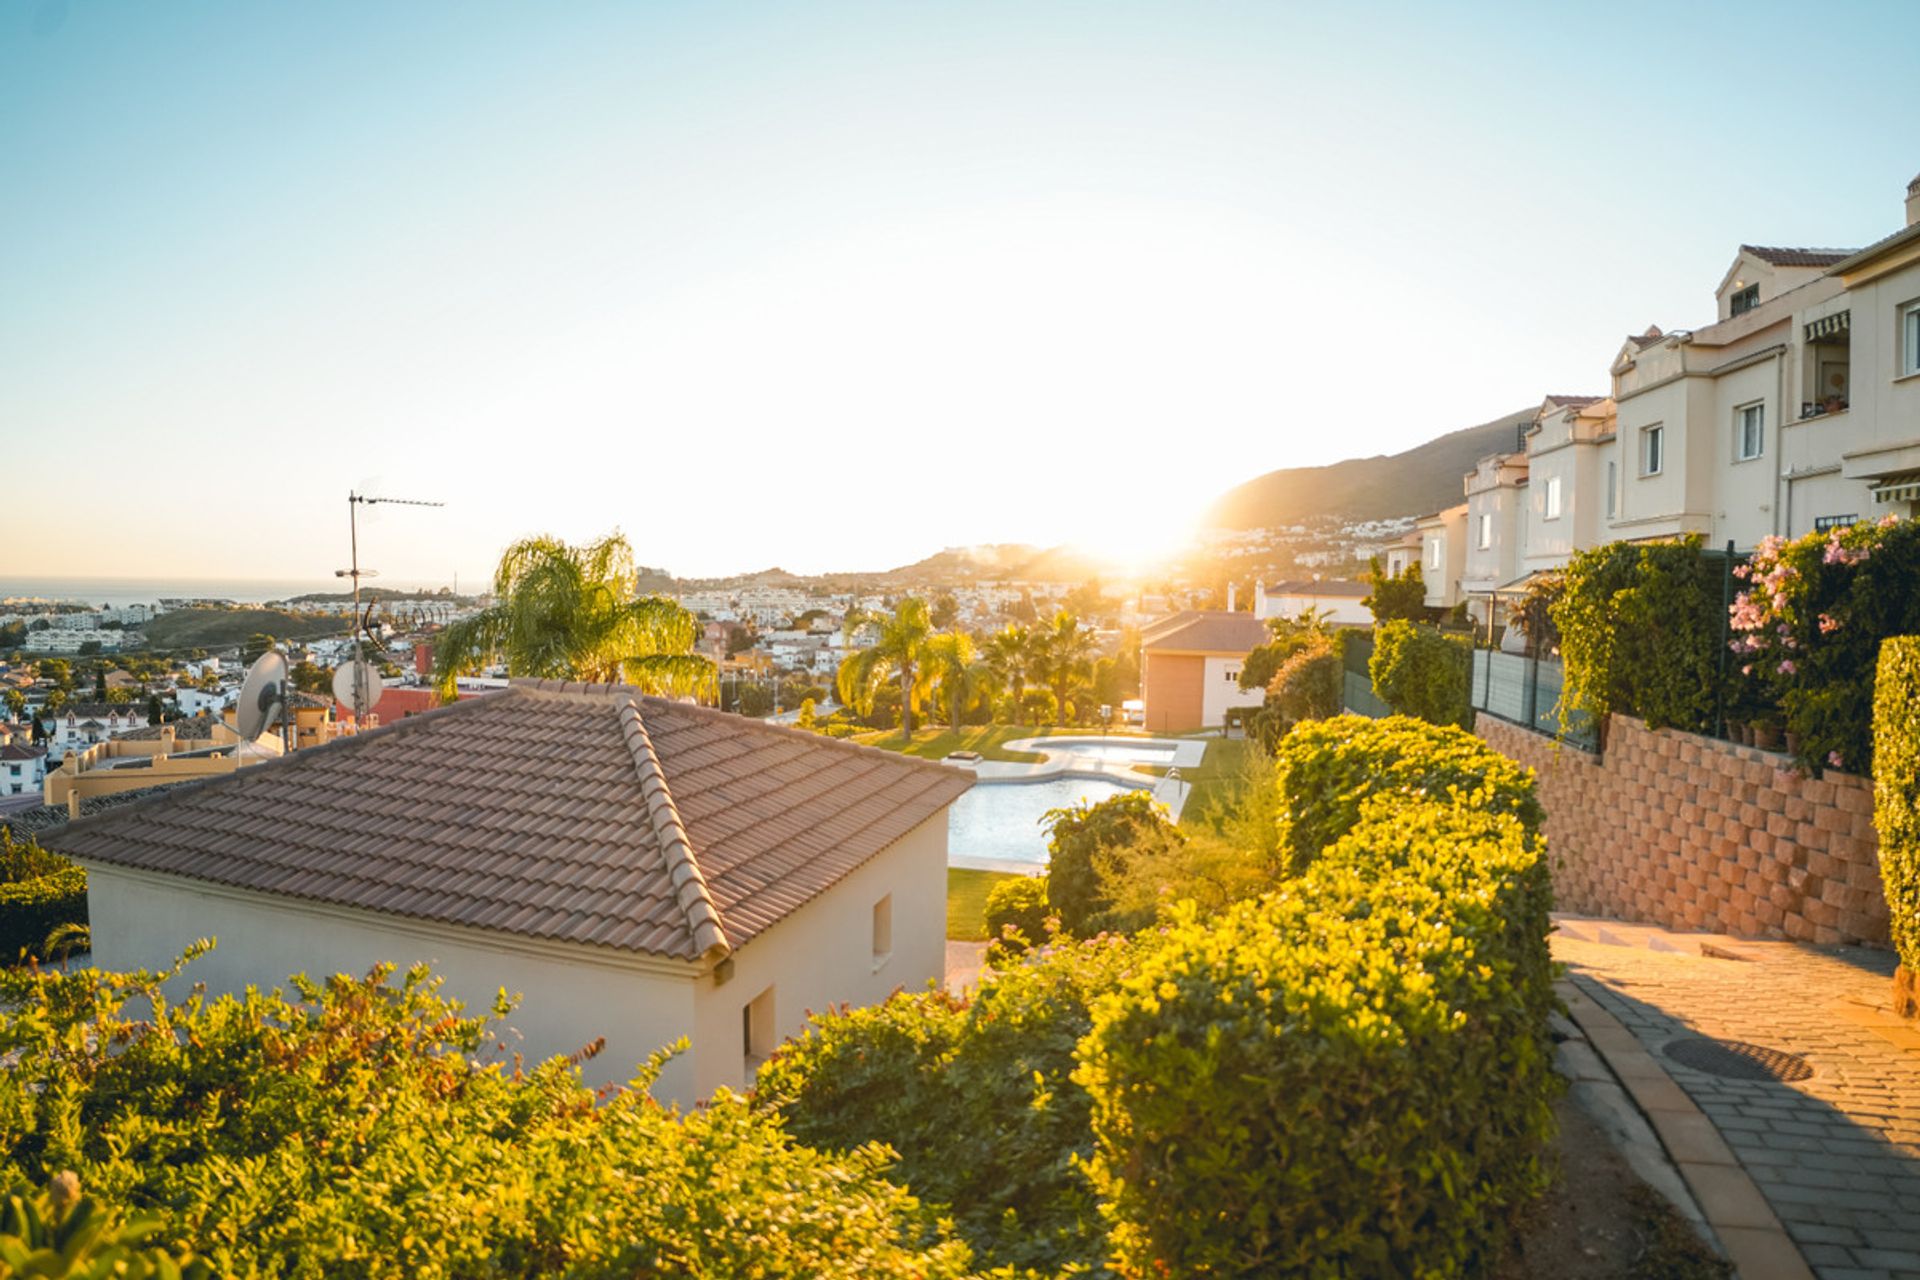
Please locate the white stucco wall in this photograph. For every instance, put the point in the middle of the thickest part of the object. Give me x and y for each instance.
(1221, 689)
(822, 954)
(571, 995)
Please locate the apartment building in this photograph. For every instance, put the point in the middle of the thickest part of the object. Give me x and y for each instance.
(1443, 555)
(1796, 409)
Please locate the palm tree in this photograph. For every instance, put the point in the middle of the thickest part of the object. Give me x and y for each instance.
(571, 613)
(1069, 657)
(1009, 657)
(899, 653)
(951, 665)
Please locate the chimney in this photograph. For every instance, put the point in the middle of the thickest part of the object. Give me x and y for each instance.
(1913, 201)
(1230, 587)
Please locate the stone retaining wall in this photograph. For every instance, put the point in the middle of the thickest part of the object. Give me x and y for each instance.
(1692, 833)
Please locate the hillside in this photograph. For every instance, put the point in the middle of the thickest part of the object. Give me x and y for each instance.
(226, 628)
(1423, 479)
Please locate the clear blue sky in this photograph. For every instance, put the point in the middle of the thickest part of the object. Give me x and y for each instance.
(835, 285)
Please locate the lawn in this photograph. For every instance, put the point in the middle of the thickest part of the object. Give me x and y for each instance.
(1216, 779)
(936, 743)
(967, 902)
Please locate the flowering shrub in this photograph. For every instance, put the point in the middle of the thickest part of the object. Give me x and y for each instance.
(1896, 789)
(1808, 624)
(1017, 916)
(349, 1131)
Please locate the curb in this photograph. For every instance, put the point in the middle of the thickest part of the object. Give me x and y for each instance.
(1752, 1236)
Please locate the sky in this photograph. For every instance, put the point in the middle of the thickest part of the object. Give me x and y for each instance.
(835, 285)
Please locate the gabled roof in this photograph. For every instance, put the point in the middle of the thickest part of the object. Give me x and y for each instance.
(1205, 631)
(1783, 257)
(20, 751)
(579, 813)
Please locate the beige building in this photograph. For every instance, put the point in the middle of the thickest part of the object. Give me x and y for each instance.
(1443, 555)
(638, 871)
(1190, 667)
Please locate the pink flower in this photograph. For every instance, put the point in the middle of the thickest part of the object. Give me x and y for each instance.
(1747, 670)
(1786, 667)
(1833, 758)
(1828, 624)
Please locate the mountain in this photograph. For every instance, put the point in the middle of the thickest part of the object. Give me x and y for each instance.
(1425, 478)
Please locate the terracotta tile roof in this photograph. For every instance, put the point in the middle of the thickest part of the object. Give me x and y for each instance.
(1205, 631)
(20, 751)
(580, 813)
(1796, 257)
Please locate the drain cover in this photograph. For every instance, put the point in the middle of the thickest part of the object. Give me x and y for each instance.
(1736, 1060)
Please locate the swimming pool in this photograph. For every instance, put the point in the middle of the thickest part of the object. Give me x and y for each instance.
(1001, 820)
(1131, 750)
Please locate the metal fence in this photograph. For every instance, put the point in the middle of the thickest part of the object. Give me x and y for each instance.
(1521, 689)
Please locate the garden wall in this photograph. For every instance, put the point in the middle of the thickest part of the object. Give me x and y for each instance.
(1693, 833)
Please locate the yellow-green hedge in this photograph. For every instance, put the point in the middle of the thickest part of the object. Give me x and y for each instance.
(1896, 787)
(1351, 1077)
(32, 909)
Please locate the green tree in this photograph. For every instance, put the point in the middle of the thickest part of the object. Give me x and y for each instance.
(956, 676)
(16, 703)
(58, 670)
(257, 643)
(1068, 652)
(944, 612)
(899, 653)
(309, 677)
(1088, 846)
(1402, 595)
(1009, 655)
(562, 612)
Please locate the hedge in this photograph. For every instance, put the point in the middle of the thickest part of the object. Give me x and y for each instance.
(1896, 788)
(32, 909)
(977, 1098)
(1327, 770)
(1351, 1077)
(1019, 904)
(1420, 672)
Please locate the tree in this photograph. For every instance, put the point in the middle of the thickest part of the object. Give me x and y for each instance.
(58, 670)
(562, 612)
(951, 666)
(16, 703)
(1069, 652)
(945, 611)
(1009, 660)
(1401, 596)
(154, 712)
(900, 654)
(257, 643)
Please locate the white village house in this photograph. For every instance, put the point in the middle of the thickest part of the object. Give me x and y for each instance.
(636, 869)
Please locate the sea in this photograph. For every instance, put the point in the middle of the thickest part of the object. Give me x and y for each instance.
(121, 592)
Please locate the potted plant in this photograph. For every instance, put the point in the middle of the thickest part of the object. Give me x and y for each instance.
(1736, 731)
(1766, 735)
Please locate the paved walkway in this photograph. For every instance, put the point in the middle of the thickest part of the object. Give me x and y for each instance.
(1837, 1156)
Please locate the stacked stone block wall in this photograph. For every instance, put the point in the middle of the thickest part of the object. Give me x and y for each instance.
(1692, 833)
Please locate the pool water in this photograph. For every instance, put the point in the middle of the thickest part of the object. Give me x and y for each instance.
(1136, 751)
(1002, 819)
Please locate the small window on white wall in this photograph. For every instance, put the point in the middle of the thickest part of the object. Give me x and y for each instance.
(1653, 450)
(1486, 530)
(1749, 432)
(882, 929)
(1910, 338)
(1613, 488)
(1433, 553)
(756, 1030)
(1553, 497)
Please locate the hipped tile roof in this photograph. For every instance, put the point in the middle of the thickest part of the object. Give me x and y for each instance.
(1795, 257)
(580, 813)
(1205, 631)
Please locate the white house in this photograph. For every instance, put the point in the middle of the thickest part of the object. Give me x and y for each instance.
(79, 726)
(1338, 601)
(637, 870)
(1443, 555)
(1190, 667)
(23, 764)
(197, 702)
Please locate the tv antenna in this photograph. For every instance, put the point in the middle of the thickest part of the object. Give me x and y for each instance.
(362, 693)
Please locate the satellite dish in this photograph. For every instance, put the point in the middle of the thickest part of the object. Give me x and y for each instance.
(264, 693)
(356, 685)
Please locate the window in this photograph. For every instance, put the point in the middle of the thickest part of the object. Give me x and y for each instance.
(1653, 450)
(1744, 301)
(1553, 497)
(1823, 523)
(1910, 339)
(1613, 487)
(1749, 432)
(882, 930)
(1433, 553)
(1233, 675)
(756, 1030)
(1486, 530)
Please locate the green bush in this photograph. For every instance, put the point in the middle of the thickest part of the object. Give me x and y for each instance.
(1327, 771)
(1352, 1077)
(1308, 685)
(1085, 839)
(351, 1132)
(976, 1097)
(1402, 595)
(1640, 625)
(1896, 788)
(1017, 916)
(1809, 626)
(1420, 672)
(59, 1234)
(32, 909)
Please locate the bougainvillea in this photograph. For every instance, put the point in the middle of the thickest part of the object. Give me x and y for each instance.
(1807, 628)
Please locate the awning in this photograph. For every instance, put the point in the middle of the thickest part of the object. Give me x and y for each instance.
(1829, 326)
(1900, 488)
